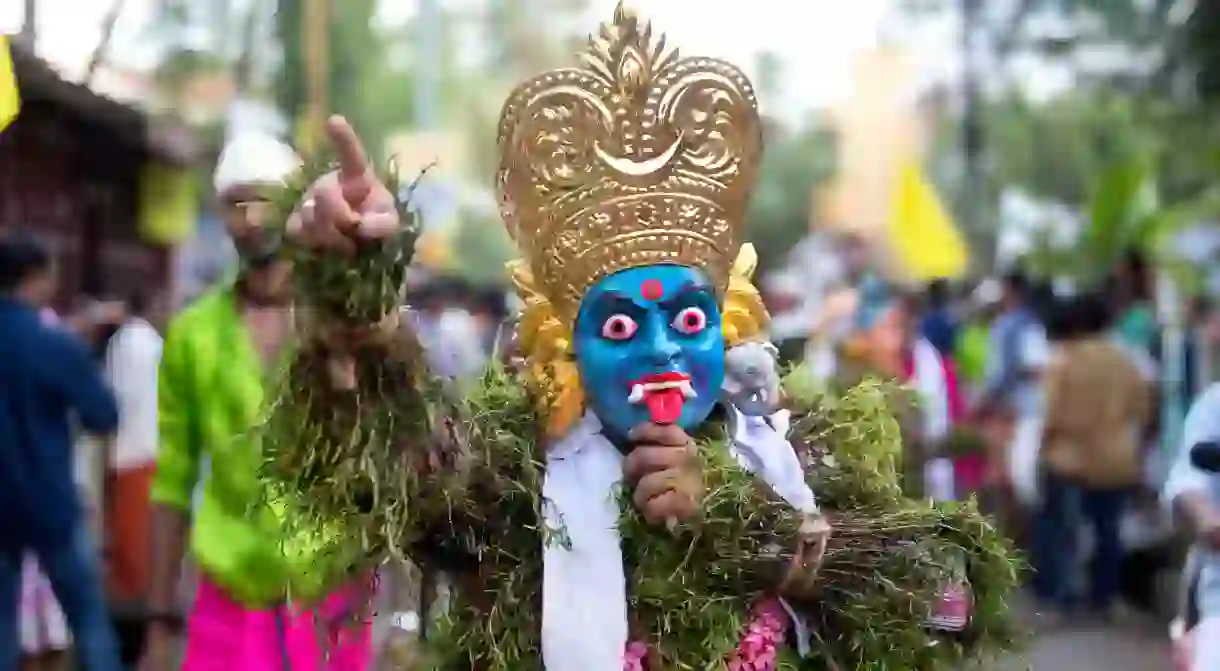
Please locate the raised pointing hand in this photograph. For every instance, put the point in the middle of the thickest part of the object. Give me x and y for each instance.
(348, 206)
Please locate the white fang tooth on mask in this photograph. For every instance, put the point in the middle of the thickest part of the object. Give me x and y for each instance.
(688, 391)
(638, 390)
(637, 394)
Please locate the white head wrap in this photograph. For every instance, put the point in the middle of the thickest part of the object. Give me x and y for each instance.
(254, 158)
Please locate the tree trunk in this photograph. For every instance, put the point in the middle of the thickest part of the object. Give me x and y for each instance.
(243, 75)
(972, 116)
(315, 40)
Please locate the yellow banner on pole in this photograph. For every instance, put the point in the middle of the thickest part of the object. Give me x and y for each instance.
(924, 235)
(169, 204)
(10, 99)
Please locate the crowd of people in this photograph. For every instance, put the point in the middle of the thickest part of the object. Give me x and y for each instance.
(89, 373)
(1050, 406)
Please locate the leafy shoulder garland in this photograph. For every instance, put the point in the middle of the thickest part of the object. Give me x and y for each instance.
(404, 468)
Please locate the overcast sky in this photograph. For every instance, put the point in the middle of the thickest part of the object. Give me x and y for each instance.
(816, 40)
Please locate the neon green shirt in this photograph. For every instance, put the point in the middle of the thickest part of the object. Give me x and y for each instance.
(971, 352)
(210, 391)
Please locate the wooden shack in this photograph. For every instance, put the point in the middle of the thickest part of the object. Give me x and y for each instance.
(70, 173)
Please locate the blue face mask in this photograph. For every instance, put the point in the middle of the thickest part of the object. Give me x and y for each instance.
(649, 347)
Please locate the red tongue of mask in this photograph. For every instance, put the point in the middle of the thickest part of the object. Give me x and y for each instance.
(664, 405)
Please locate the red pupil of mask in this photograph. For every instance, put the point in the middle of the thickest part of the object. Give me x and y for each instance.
(692, 320)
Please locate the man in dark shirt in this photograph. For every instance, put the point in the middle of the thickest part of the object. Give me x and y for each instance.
(939, 326)
(47, 380)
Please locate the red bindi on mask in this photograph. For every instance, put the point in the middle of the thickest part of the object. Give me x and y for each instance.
(651, 289)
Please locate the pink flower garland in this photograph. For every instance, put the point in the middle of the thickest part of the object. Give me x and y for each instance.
(757, 651)
(633, 658)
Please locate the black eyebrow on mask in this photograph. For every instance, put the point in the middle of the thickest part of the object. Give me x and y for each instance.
(685, 291)
(613, 300)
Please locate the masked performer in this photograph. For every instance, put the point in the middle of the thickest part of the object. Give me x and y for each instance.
(608, 507)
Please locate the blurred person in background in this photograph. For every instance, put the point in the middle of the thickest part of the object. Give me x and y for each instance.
(861, 276)
(1135, 315)
(941, 403)
(210, 392)
(132, 356)
(1194, 347)
(453, 339)
(939, 324)
(1012, 391)
(887, 343)
(1193, 495)
(857, 258)
(47, 380)
(45, 638)
(1097, 405)
(490, 311)
(856, 289)
(973, 336)
(1042, 299)
(95, 320)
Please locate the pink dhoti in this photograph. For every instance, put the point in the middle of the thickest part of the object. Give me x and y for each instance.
(224, 635)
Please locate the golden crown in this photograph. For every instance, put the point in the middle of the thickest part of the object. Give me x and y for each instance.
(639, 157)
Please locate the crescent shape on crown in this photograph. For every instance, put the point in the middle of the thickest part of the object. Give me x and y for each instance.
(636, 117)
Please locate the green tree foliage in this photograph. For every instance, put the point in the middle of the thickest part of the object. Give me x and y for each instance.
(363, 83)
(1129, 126)
(205, 37)
(1055, 150)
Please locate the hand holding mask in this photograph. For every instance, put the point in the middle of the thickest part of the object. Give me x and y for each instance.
(664, 469)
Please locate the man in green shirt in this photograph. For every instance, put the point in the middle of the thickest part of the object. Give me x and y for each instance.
(210, 392)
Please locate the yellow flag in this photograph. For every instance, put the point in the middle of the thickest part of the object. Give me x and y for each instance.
(10, 101)
(924, 235)
(169, 204)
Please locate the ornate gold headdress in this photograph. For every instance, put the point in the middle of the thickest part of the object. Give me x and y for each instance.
(639, 157)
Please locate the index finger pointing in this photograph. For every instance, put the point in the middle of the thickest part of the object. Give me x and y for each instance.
(353, 161)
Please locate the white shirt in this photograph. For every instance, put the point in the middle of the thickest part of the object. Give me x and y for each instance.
(584, 594)
(452, 344)
(1202, 425)
(933, 388)
(132, 359)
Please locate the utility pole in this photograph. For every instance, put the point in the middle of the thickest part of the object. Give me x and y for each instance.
(973, 158)
(29, 24)
(427, 69)
(315, 52)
